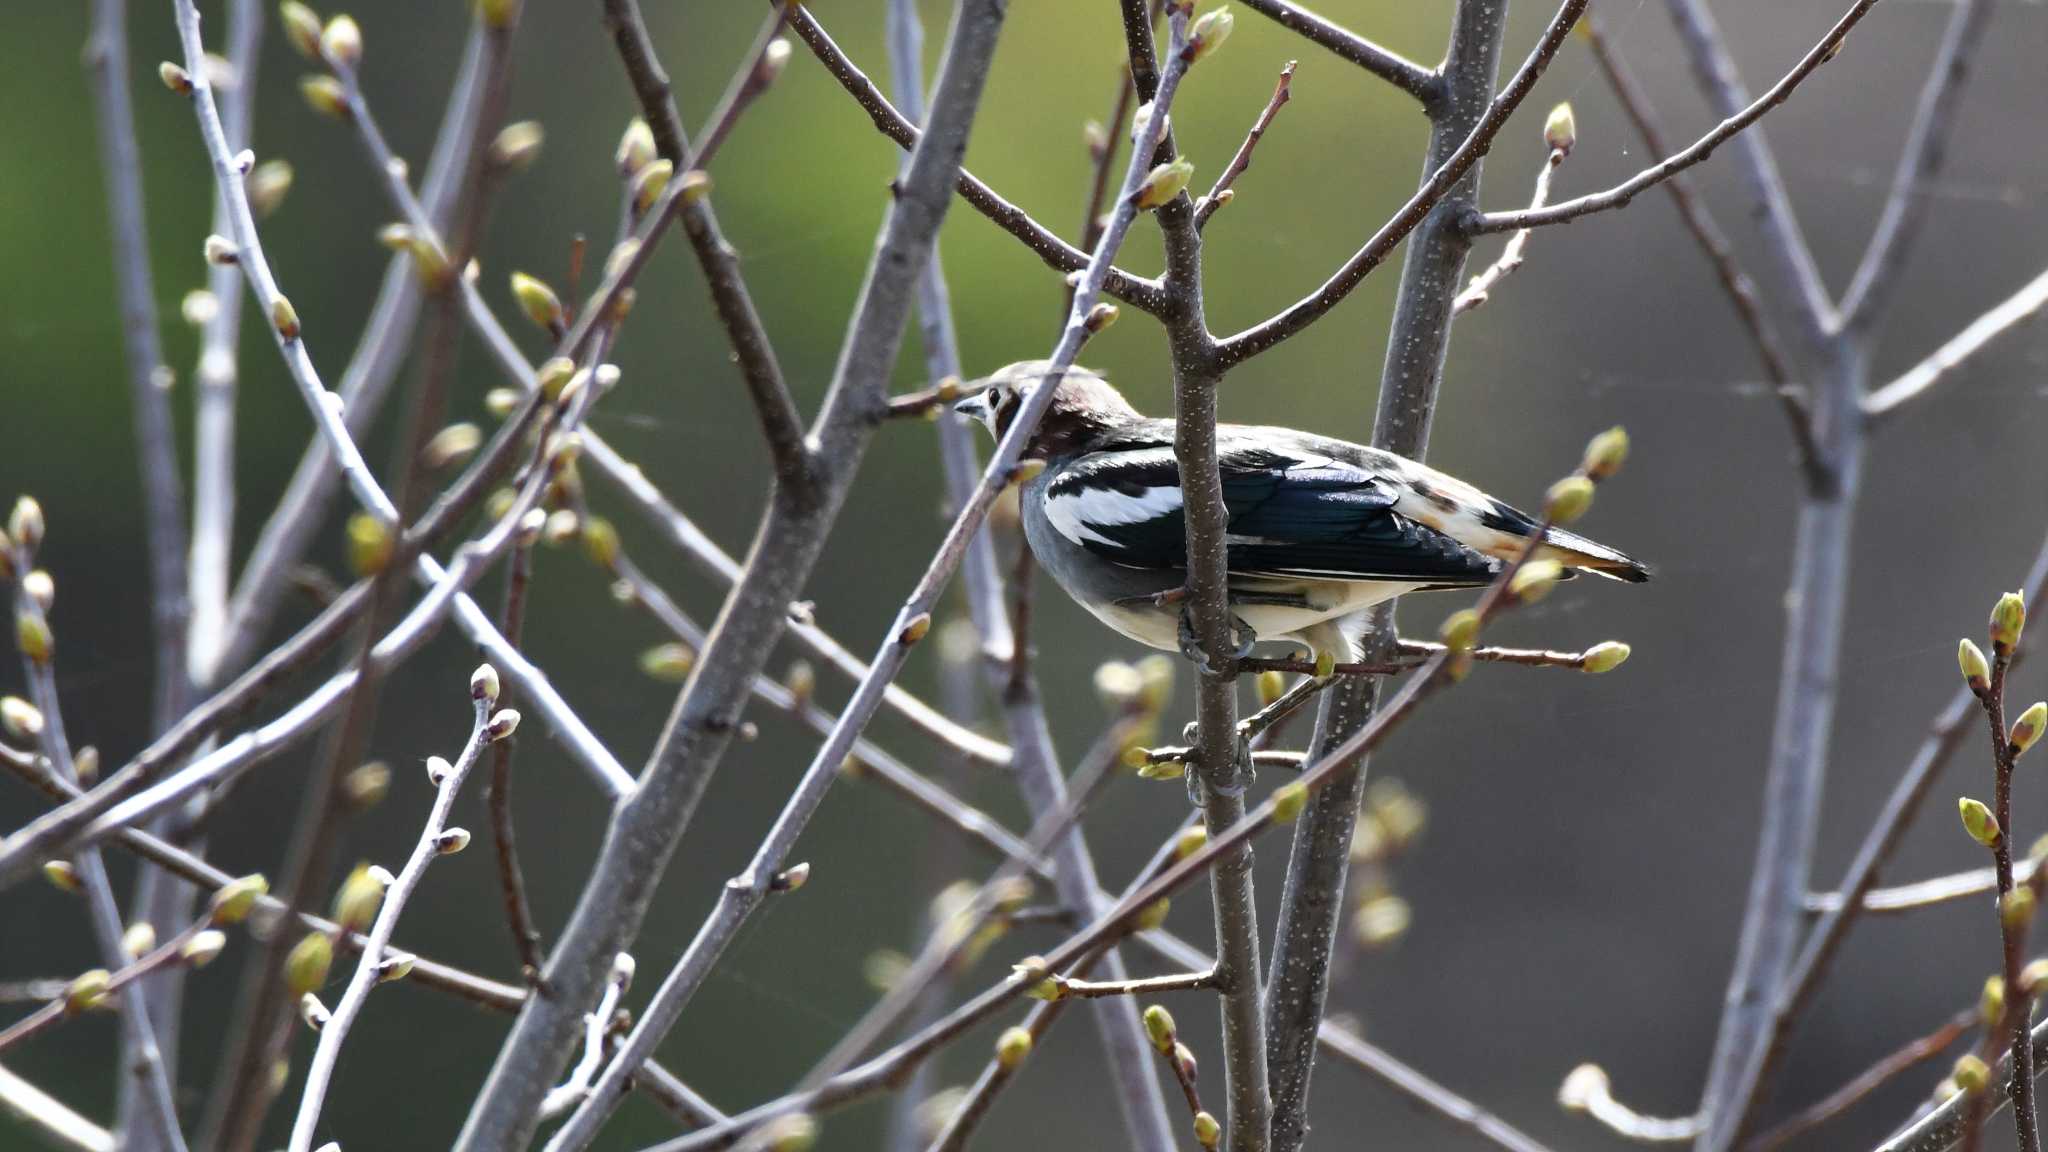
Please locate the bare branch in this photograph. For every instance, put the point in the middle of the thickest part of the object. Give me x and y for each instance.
(50, 1118)
(1905, 207)
(1477, 292)
(1882, 404)
(1136, 291)
(1919, 1051)
(1301, 314)
(1402, 73)
(1220, 193)
(434, 840)
(1713, 243)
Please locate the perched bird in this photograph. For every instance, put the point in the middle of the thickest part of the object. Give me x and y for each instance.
(1320, 529)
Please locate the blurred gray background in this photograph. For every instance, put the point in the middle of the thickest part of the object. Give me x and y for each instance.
(1578, 889)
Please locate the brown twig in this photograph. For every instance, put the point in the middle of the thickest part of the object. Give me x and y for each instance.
(526, 938)
(1220, 193)
(1915, 1053)
(1410, 77)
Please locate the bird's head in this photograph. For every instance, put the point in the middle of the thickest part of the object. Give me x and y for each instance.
(1084, 406)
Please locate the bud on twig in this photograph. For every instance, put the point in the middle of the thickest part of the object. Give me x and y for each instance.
(341, 42)
(1100, 316)
(305, 968)
(233, 900)
(1605, 454)
(1976, 670)
(1159, 1028)
(268, 185)
(1208, 1133)
(62, 876)
(670, 662)
(483, 684)
(517, 145)
(915, 629)
(1288, 801)
(361, 894)
(87, 991)
(1991, 1005)
(2008, 621)
(1605, 656)
(1190, 841)
(502, 724)
(791, 878)
(552, 375)
(1971, 1073)
(32, 636)
(325, 95)
(2027, 729)
(21, 719)
(370, 544)
(451, 841)
(636, 148)
(2016, 908)
(1011, 1048)
(204, 945)
(649, 183)
(139, 938)
(220, 251)
(301, 27)
(1561, 129)
(1568, 500)
(1978, 821)
(284, 318)
(538, 301)
(1209, 32)
(1535, 580)
(451, 445)
(1460, 630)
(1271, 685)
(175, 78)
(1163, 183)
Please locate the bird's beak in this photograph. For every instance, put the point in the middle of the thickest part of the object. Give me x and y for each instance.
(974, 407)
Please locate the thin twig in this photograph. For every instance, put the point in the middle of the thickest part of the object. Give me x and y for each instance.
(434, 840)
(1927, 146)
(498, 792)
(1914, 1054)
(1927, 893)
(1713, 243)
(1298, 316)
(1881, 404)
(49, 1118)
(1410, 77)
(1142, 986)
(1220, 193)
(1477, 293)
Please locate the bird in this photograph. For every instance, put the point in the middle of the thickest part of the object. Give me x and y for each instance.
(1320, 529)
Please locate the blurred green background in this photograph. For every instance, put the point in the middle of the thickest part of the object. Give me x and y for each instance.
(1577, 893)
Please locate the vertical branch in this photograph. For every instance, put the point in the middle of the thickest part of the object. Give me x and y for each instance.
(1312, 902)
(1006, 653)
(646, 826)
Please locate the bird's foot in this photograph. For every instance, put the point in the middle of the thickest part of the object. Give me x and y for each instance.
(1242, 638)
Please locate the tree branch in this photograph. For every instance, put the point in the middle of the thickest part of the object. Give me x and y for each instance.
(1881, 404)
(1402, 73)
(1220, 193)
(1905, 207)
(1300, 315)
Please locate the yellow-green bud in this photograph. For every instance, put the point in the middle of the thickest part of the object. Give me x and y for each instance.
(452, 841)
(1976, 670)
(1209, 33)
(1184, 1060)
(1288, 801)
(1534, 580)
(670, 662)
(305, 967)
(1561, 129)
(452, 445)
(696, 185)
(1155, 675)
(1100, 316)
(175, 78)
(796, 1132)
(284, 318)
(301, 27)
(1991, 1005)
(2032, 975)
(139, 938)
(395, 966)
(202, 947)
(23, 720)
(1190, 841)
(636, 147)
(1460, 630)
(1164, 183)
(1568, 499)
(1271, 686)
(601, 542)
(1381, 920)
(1042, 985)
(501, 402)
(2016, 908)
(342, 41)
(1159, 1028)
(370, 544)
(1012, 1047)
(553, 374)
(219, 250)
(1971, 1073)
(233, 900)
(2008, 620)
(366, 785)
(2027, 729)
(1152, 915)
(62, 875)
(649, 183)
(32, 636)
(1164, 770)
(268, 185)
(1208, 1133)
(1978, 821)
(1119, 685)
(1605, 454)
(1605, 656)
(88, 990)
(85, 764)
(537, 300)
(517, 145)
(360, 896)
(325, 95)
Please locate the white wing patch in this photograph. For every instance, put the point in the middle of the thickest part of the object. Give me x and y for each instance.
(1075, 512)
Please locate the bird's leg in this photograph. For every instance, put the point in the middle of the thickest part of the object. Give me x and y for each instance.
(1198, 790)
(1242, 637)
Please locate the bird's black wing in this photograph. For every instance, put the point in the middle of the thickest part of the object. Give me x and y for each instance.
(1292, 513)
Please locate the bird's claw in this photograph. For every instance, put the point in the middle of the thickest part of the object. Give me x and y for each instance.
(1242, 637)
(1199, 790)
